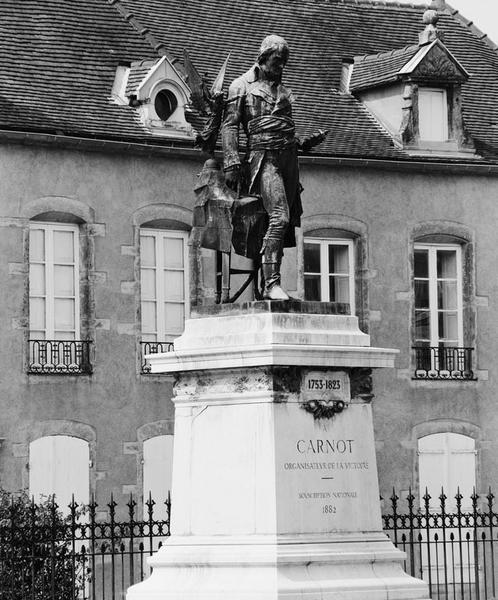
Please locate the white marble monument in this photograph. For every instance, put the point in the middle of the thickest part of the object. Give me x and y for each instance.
(275, 491)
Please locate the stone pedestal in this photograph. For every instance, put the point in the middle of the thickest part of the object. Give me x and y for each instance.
(275, 491)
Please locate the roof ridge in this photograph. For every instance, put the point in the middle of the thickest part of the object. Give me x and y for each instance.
(385, 3)
(144, 32)
(473, 28)
(393, 52)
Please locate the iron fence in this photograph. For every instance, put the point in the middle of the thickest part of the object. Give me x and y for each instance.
(46, 555)
(59, 357)
(450, 542)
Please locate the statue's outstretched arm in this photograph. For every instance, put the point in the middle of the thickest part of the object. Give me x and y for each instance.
(312, 140)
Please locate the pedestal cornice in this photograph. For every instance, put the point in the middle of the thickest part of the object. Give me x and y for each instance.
(270, 334)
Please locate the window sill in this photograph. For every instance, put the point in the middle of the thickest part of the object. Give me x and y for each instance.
(448, 149)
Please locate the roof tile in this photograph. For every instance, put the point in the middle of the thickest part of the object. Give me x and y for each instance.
(58, 60)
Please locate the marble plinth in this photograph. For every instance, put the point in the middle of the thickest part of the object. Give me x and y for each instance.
(268, 500)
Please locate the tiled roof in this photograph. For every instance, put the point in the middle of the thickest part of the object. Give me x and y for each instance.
(138, 72)
(380, 68)
(58, 60)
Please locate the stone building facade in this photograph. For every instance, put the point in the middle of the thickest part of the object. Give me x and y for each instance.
(98, 165)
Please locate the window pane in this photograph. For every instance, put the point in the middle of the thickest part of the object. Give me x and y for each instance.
(148, 280)
(63, 314)
(338, 260)
(63, 335)
(149, 337)
(339, 289)
(64, 246)
(312, 287)
(173, 253)
(446, 264)
(447, 295)
(311, 259)
(149, 321)
(421, 263)
(147, 251)
(422, 325)
(174, 315)
(37, 280)
(174, 286)
(421, 294)
(63, 280)
(37, 313)
(37, 244)
(448, 326)
(36, 335)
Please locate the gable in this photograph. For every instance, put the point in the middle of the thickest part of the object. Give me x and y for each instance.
(435, 64)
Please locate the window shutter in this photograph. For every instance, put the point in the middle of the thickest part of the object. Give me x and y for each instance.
(59, 465)
(446, 460)
(433, 114)
(157, 472)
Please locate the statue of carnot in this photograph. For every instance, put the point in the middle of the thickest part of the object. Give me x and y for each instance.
(259, 202)
(263, 106)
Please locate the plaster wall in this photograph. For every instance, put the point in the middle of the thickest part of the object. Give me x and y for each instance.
(116, 404)
(395, 206)
(116, 401)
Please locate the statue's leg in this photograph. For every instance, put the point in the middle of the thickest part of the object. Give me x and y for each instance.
(274, 198)
(225, 276)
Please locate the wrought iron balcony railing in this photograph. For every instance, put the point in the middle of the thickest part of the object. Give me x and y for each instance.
(443, 362)
(59, 357)
(153, 348)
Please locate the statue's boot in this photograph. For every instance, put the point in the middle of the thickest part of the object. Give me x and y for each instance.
(270, 265)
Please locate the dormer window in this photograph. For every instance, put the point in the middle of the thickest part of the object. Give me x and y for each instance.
(164, 107)
(165, 104)
(415, 92)
(432, 114)
(159, 93)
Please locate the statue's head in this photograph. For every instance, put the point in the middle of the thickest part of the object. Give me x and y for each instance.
(273, 56)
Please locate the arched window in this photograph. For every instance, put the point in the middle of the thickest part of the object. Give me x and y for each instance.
(329, 270)
(438, 294)
(60, 465)
(54, 268)
(443, 308)
(58, 288)
(164, 275)
(157, 472)
(447, 461)
(333, 259)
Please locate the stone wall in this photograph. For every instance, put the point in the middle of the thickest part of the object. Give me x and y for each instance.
(384, 211)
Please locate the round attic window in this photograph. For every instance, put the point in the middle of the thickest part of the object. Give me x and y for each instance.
(165, 104)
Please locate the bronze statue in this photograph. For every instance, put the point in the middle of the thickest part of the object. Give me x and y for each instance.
(262, 105)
